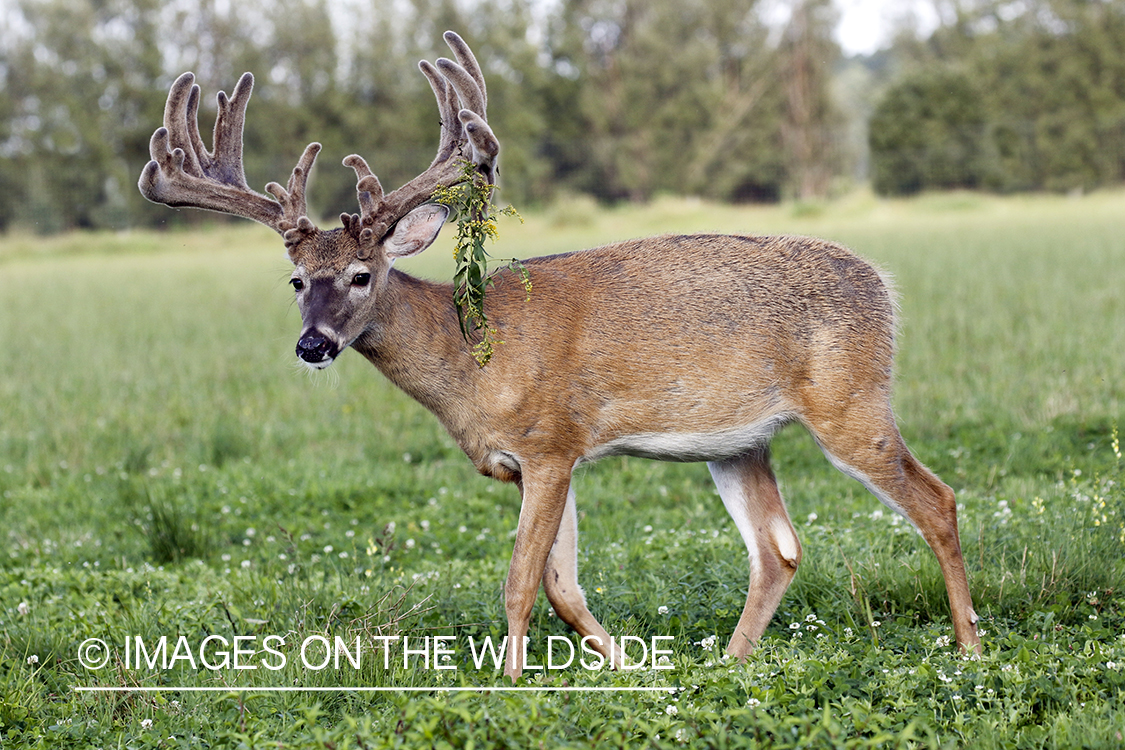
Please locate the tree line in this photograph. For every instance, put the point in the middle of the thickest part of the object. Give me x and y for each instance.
(1006, 96)
(618, 99)
(621, 99)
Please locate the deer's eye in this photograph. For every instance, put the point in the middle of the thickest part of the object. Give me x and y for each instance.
(361, 279)
(297, 284)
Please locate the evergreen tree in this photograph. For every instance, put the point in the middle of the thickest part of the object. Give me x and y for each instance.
(927, 133)
(1042, 100)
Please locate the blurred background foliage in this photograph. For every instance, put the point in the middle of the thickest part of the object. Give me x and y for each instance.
(621, 100)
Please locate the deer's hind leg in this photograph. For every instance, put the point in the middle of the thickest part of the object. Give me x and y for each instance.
(560, 582)
(749, 492)
(868, 447)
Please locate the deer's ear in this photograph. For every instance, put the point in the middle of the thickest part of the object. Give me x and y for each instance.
(416, 231)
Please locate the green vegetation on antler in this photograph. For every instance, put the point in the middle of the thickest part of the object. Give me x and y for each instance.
(471, 203)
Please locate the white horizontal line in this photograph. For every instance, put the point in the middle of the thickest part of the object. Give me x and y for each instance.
(482, 689)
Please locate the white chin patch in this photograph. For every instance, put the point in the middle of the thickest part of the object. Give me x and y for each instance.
(322, 365)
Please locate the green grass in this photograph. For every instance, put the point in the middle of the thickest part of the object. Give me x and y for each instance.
(165, 469)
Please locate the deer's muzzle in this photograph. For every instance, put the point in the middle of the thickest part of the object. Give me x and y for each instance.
(316, 349)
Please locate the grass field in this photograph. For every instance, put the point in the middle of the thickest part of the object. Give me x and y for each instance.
(167, 470)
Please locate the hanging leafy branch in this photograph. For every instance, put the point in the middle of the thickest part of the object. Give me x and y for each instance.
(470, 200)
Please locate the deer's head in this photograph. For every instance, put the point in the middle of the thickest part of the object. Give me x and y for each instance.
(338, 274)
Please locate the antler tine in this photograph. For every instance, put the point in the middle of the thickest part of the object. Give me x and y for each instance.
(451, 130)
(181, 113)
(462, 103)
(369, 191)
(184, 173)
(295, 222)
(467, 90)
(469, 62)
(466, 77)
(229, 124)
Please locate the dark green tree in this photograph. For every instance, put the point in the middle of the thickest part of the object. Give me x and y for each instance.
(928, 133)
(1049, 80)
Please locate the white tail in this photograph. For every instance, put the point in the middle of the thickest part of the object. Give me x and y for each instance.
(679, 348)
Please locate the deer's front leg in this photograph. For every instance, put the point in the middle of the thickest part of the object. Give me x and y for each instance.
(544, 501)
(560, 582)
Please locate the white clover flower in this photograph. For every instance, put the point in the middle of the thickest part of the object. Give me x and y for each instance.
(753, 703)
(794, 625)
(410, 544)
(671, 709)
(23, 608)
(662, 610)
(810, 617)
(942, 641)
(708, 643)
(34, 659)
(146, 723)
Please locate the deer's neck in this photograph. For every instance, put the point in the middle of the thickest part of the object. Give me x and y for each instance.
(416, 342)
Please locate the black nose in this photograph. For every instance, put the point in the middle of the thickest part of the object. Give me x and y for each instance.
(314, 347)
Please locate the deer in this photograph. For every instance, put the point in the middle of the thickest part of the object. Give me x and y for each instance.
(693, 348)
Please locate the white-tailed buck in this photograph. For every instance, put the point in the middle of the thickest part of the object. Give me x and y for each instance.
(679, 348)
